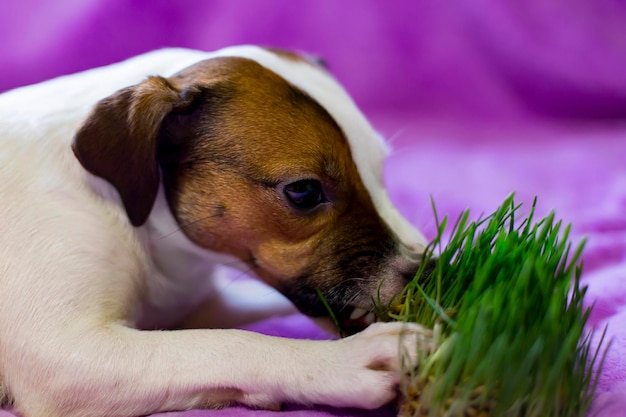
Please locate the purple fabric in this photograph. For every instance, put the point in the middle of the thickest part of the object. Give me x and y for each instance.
(480, 98)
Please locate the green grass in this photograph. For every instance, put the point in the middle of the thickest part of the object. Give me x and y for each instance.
(506, 305)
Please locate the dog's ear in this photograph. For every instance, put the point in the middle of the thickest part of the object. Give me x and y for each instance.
(119, 141)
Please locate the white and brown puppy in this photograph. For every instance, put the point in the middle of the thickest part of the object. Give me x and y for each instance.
(121, 190)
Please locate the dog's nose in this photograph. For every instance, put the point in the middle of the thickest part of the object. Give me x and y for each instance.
(425, 274)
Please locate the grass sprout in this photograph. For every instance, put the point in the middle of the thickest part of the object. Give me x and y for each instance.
(506, 304)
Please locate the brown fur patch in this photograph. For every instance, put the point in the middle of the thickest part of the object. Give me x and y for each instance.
(253, 133)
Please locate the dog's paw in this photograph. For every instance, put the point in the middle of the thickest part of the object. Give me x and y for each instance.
(364, 370)
(391, 346)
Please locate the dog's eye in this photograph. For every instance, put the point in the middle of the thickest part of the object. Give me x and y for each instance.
(304, 194)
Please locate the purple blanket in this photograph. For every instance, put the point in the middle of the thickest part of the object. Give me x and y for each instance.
(480, 98)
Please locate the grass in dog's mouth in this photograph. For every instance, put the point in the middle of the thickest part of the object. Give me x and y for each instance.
(505, 302)
(349, 320)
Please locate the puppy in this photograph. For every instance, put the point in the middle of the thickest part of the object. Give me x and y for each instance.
(124, 187)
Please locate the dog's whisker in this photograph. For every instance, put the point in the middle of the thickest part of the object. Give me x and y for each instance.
(341, 253)
(395, 137)
(242, 274)
(346, 283)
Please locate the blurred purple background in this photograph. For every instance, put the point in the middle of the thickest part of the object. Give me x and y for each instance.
(480, 98)
(481, 59)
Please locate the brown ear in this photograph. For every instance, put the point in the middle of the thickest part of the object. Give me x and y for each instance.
(119, 140)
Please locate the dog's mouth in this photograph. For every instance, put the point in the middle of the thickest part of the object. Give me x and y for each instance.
(347, 318)
(352, 320)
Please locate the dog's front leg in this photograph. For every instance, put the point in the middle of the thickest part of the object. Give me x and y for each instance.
(66, 348)
(119, 371)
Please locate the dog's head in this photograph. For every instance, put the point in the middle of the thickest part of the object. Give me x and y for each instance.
(263, 156)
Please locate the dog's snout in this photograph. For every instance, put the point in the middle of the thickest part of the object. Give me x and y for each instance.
(409, 276)
(426, 271)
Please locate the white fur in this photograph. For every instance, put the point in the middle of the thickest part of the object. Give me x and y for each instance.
(71, 268)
